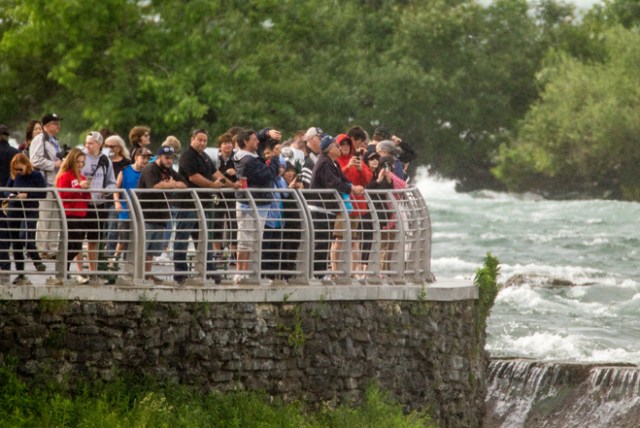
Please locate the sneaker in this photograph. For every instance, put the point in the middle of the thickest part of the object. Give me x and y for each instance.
(240, 279)
(40, 267)
(82, 279)
(162, 258)
(20, 280)
(217, 279)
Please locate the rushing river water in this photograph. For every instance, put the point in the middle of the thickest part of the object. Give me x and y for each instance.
(572, 266)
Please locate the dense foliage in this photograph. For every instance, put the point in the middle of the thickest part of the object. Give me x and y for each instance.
(129, 403)
(474, 88)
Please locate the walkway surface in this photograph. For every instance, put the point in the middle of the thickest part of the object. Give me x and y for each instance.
(43, 286)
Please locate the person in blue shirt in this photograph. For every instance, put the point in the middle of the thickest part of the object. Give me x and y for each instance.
(128, 179)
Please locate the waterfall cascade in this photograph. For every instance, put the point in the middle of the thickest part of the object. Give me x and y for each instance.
(529, 393)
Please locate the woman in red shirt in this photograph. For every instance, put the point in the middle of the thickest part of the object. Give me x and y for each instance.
(74, 203)
(358, 173)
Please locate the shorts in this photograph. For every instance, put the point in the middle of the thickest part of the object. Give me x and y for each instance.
(95, 222)
(248, 228)
(154, 236)
(339, 227)
(124, 230)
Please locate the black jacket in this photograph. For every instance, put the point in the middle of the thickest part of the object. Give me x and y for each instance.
(327, 175)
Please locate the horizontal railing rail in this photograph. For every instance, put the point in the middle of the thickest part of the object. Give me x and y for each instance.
(257, 236)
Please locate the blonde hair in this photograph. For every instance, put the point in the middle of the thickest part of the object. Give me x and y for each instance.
(172, 142)
(120, 142)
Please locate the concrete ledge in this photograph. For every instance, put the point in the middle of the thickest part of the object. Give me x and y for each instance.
(441, 290)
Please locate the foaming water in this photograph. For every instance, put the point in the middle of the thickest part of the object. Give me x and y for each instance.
(571, 268)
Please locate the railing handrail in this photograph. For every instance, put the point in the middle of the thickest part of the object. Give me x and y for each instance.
(400, 216)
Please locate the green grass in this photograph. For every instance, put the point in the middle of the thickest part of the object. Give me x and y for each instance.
(135, 403)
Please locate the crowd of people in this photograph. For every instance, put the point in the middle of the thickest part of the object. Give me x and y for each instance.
(86, 179)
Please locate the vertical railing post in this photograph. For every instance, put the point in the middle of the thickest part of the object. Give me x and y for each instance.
(139, 253)
(62, 256)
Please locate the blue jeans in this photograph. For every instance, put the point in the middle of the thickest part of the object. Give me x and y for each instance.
(187, 226)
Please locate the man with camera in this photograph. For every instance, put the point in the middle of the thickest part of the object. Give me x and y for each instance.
(46, 154)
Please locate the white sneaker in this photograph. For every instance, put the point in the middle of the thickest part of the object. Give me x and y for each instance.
(162, 258)
(238, 279)
(81, 279)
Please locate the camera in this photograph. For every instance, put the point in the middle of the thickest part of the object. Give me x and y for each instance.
(387, 166)
(299, 178)
(358, 156)
(64, 151)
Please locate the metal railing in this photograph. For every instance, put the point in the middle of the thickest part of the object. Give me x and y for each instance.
(256, 236)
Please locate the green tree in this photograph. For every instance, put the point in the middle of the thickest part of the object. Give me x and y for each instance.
(583, 134)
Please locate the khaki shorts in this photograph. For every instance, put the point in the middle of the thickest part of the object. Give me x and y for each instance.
(339, 227)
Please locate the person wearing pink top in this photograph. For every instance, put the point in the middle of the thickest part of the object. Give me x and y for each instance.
(385, 178)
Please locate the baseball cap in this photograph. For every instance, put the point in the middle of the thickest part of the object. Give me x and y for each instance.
(50, 117)
(166, 151)
(96, 136)
(326, 142)
(312, 132)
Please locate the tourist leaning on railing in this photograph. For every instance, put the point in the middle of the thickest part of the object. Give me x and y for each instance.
(115, 148)
(158, 174)
(22, 213)
(99, 170)
(127, 179)
(358, 173)
(255, 174)
(7, 152)
(45, 154)
(225, 213)
(74, 203)
(197, 172)
(327, 215)
(384, 178)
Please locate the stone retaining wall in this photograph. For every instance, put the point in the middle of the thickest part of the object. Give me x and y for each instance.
(425, 353)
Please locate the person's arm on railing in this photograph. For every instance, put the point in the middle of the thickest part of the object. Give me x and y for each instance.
(116, 195)
(170, 184)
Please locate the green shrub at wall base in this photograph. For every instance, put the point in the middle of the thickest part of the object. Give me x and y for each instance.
(124, 403)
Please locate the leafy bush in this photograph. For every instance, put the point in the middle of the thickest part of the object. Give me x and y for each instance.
(135, 403)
